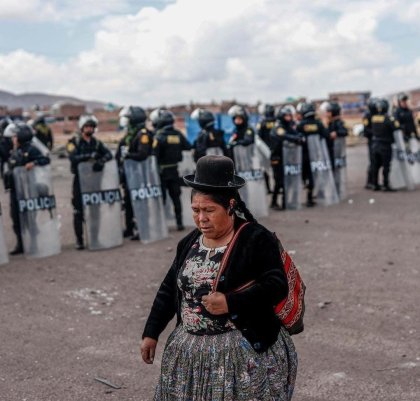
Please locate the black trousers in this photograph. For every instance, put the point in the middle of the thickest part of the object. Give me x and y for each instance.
(128, 210)
(382, 156)
(370, 168)
(170, 182)
(14, 215)
(78, 217)
(278, 175)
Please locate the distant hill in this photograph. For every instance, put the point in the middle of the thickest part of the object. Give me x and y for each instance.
(28, 100)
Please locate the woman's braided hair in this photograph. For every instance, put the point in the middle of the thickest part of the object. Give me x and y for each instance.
(223, 198)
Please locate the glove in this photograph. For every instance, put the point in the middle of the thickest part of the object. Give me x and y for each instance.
(98, 166)
(124, 151)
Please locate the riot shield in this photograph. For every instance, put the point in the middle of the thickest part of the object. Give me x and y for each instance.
(292, 168)
(143, 184)
(101, 199)
(248, 166)
(324, 184)
(340, 163)
(36, 201)
(414, 160)
(264, 153)
(4, 256)
(40, 146)
(216, 151)
(401, 174)
(186, 167)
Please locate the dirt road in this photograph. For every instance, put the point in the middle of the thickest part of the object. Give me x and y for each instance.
(70, 318)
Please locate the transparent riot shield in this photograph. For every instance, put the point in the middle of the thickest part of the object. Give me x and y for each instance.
(414, 160)
(37, 216)
(101, 199)
(340, 163)
(264, 153)
(143, 184)
(185, 167)
(216, 151)
(324, 185)
(401, 174)
(248, 166)
(292, 168)
(4, 256)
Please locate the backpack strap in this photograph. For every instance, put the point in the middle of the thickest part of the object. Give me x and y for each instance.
(226, 255)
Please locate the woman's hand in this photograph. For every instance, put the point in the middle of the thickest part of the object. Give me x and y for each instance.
(147, 349)
(215, 303)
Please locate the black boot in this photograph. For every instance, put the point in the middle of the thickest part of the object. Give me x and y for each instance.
(387, 188)
(310, 200)
(79, 244)
(18, 249)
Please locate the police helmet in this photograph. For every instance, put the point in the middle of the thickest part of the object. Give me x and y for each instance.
(132, 115)
(284, 111)
(306, 109)
(334, 108)
(88, 119)
(402, 97)
(4, 122)
(266, 110)
(371, 104)
(238, 111)
(205, 117)
(162, 117)
(382, 106)
(22, 131)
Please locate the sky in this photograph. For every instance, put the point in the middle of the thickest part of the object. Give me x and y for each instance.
(166, 52)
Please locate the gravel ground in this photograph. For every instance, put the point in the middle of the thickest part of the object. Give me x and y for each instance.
(68, 319)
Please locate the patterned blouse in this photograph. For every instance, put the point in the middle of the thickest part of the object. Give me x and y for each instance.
(195, 279)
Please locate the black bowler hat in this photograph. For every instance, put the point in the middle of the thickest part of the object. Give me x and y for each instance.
(214, 173)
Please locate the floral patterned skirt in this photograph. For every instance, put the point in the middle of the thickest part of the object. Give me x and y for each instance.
(225, 367)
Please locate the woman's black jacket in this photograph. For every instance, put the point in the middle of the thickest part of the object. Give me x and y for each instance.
(254, 256)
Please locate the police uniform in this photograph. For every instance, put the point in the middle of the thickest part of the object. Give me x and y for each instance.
(336, 125)
(44, 134)
(168, 145)
(405, 118)
(307, 127)
(209, 138)
(283, 131)
(24, 154)
(264, 128)
(136, 145)
(383, 128)
(367, 133)
(79, 150)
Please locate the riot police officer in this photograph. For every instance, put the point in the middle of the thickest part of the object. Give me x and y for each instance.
(136, 145)
(405, 118)
(23, 154)
(383, 128)
(335, 128)
(43, 132)
(168, 145)
(264, 127)
(81, 148)
(309, 125)
(209, 136)
(6, 144)
(367, 133)
(282, 131)
(243, 134)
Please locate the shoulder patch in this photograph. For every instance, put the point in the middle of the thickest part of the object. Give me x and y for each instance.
(378, 119)
(155, 143)
(144, 130)
(397, 124)
(280, 131)
(144, 139)
(365, 122)
(173, 139)
(269, 125)
(70, 147)
(249, 131)
(310, 128)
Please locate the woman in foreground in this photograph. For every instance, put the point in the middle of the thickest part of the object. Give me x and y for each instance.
(228, 343)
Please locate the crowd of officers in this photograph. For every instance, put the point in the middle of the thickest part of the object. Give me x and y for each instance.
(167, 144)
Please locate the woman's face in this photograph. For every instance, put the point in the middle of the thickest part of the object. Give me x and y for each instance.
(210, 218)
